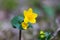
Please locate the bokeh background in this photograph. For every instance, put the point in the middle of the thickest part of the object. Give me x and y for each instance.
(48, 18)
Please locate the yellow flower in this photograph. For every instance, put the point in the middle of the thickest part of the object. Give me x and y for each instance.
(24, 25)
(30, 16)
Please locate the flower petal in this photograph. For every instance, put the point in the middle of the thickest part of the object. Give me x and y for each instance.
(32, 21)
(34, 15)
(25, 28)
(25, 12)
(30, 10)
(25, 20)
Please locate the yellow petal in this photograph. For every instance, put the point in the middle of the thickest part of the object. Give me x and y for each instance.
(34, 15)
(32, 21)
(25, 28)
(25, 20)
(30, 10)
(25, 12)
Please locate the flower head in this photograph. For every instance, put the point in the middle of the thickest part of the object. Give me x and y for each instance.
(30, 16)
(24, 25)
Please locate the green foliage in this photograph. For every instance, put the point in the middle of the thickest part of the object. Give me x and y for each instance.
(47, 36)
(16, 22)
(49, 10)
(9, 4)
(37, 10)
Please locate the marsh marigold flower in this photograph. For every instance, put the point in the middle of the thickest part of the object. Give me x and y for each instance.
(30, 16)
(24, 25)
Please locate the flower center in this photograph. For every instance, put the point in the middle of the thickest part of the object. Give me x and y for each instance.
(30, 17)
(24, 25)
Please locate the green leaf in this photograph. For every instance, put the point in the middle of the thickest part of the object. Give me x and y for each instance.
(17, 20)
(48, 36)
(30, 25)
